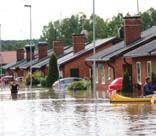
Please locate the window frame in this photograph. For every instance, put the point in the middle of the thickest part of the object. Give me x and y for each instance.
(103, 75)
(109, 73)
(138, 65)
(147, 70)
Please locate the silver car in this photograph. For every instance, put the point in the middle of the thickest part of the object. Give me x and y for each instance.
(61, 84)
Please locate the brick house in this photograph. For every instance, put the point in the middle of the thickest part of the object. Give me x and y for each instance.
(71, 61)
(143, 62)
(110, 63)
(21, 66)
(7, 57)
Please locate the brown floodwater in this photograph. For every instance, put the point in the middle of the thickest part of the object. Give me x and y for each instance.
(39, 112)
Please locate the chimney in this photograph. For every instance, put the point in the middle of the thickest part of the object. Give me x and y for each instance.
(58, 47)
(78, 42)
(132, 29)
(20, 54)
(42, 50)
(27, 48)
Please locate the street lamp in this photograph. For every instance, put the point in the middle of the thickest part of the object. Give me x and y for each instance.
(29, 6)
(138, 6)
(0, 52)
(94, 64)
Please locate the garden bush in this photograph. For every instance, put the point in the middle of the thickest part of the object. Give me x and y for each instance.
(79, 85)
(43, 82)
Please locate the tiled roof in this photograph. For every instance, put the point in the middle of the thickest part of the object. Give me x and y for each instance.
(69, 55)
(7, 57)
(9, 65)
(121, 48)
(46, 61)
(148, 49)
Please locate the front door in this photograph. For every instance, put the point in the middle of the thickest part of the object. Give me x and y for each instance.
(128, 67)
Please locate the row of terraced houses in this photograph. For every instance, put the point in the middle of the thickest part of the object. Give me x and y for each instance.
(131, 50)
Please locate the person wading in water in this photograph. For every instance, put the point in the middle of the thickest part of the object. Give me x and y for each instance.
(14, 87)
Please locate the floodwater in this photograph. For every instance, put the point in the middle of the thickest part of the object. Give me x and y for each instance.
(39, 112)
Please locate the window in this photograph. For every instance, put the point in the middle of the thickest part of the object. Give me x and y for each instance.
(103, 74)
(138, 68)
(74, 72)
(149, 69)
(109, 73)
(97, 76)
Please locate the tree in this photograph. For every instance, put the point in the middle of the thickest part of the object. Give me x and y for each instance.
(153, 79)
(53, 73)
(126, 84)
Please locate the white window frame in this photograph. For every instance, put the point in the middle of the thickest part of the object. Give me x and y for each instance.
(109, 73)
(103, 77)
(138, 65)
(149, 74)
(97, 73)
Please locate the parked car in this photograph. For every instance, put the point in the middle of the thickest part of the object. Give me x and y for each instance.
(6, 79)
(115, 85)
(19, 79)
(61, 84)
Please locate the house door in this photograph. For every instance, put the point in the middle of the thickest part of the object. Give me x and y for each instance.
(74, 72)
(128, 67)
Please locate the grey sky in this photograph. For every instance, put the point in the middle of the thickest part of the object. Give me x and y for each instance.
(15, 18)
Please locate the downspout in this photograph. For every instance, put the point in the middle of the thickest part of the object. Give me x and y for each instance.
(112, 68)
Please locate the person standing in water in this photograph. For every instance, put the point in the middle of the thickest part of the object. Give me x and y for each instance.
(14, 87)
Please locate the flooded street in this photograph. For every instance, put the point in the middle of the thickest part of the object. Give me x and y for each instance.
(43, 113)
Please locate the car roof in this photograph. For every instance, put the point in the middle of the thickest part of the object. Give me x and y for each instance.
(69, 78)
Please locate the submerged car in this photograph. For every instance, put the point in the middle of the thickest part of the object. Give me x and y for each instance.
(115, 85)
(61, 84)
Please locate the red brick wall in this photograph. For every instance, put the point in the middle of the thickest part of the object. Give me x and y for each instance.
(19, 72)
(44, 70)
(8, 72)
(132, 29)
(58, 47)
(42, 50)
(143, 61)
(118, 65)
(80, 63)
(78, 42)
(104, 86)
(20, 54)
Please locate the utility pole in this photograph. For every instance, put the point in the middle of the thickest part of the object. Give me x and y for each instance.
(94, 63)
(29, 6)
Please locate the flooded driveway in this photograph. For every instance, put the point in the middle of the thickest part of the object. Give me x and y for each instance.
(42, 113)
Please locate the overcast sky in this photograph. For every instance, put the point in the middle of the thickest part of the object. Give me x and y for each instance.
(14, 18)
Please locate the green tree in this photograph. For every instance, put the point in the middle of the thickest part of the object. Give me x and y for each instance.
(49, 34)
(153, 79)
(53, 73)
(126, 85)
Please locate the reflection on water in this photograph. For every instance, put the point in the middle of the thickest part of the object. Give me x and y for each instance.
(45, 113)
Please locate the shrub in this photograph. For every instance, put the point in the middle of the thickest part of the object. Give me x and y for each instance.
(43, 82)
(34, 81)
(79, 85)
(153, 78)
(126, 85)
(53, 73)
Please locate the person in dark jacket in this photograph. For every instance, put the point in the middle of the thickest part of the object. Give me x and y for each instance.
(148, 88)
(14, 87)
